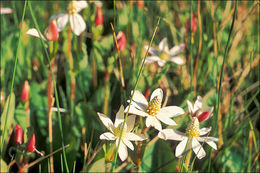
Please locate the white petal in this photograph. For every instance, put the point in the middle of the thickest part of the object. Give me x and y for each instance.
(161, 63)
(180, 148)
(190, 107)
(80, 5)
(198, 104)
(157, 92)
(163, 46)
(176, 49)
(62, 20)
(171, 111)
(135, 137)
(154, 122)
(197, 148)
(107, 136)
(106, 121)
(77, 24)
(207, 139)
(122, 151)
(204, 131)
(151, 50)
(151, 59)
(140, 100)
(33, 32)
(172, 135)
(166, 120)
(128, 144)
(135, 111)
(130, 122)
(177, 59)
(6, 10)
(119, 116)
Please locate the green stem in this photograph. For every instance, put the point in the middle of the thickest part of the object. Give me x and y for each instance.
(55, 88)
(188, 158)
(138, 77)
(12, 85)
(191, 57)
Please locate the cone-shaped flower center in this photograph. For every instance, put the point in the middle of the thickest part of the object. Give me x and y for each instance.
(193, 128)
(117, 131)
(72, 8)
(154, 106)
(164, 55)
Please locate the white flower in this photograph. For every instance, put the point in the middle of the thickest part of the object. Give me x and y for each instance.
(197, 111)
(115, 130)
(164, 54)
(153, 110)
(76, 21)
(190, 140)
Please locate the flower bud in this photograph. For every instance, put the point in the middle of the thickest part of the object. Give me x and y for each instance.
(18, 136)
(121, 40)
(99, 17)
(51, 31)
(140, 4)
(30, 146)
(25, 92)
(205, 115)
(193, 24)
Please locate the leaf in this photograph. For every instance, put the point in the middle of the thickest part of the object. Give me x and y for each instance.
(158, 158)
(3, 166)
(20, 115)
(8, 117)
(98, 166)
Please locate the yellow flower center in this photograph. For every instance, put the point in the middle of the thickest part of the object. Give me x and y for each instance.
(154, 106)
(117, 131)
(164, 55)
(193, 128)
(72, 8)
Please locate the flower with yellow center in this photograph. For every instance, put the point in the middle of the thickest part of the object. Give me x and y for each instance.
(164, 54)
(190, 140)
(77, 23)
(115, 130)
(153, 110)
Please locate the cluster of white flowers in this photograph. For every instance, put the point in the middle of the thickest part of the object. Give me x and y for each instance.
(155, 114)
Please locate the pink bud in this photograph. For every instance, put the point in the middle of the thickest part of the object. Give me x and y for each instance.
(99, 17)
(30, 146)
(51, 31)
(18, 137)
(140, 4)
(25, 92)
(121, 40)
(193, 24)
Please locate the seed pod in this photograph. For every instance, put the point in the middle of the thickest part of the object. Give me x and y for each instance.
(25, 91)
(51, 31)
(99, 17)
(18, 137)
(30, 146)
(121, 40)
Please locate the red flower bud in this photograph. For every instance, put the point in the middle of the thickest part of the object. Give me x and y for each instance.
(30, 146)
(18, 136)
(193, 24)
(99, 17)
(121, 40)
(25, 92)
(140, 4)
(51, 31)
(205, 115)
